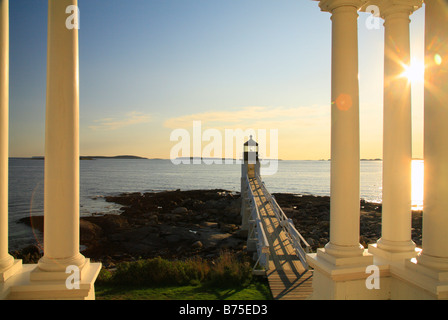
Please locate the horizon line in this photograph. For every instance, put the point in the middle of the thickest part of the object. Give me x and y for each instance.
(124, 157)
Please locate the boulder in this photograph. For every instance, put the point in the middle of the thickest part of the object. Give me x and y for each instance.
(89, 231)
(197, 245)
(180, 210)
(210, 224)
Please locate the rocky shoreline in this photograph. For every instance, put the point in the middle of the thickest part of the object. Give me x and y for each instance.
(180, 224)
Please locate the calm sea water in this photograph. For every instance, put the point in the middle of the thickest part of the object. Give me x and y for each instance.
(102, 177)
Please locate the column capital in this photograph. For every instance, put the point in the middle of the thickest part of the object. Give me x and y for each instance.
(390, 8)
(330, 5)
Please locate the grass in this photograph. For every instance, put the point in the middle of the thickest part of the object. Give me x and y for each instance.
(256, 290)
(227, 277)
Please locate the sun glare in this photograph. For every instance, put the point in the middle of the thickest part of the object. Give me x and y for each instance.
(415, 72)
(438, 59)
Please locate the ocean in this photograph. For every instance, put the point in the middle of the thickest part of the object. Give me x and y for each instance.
(102, 177)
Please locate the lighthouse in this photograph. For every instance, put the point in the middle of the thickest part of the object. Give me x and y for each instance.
(250, 168)
(251, 163)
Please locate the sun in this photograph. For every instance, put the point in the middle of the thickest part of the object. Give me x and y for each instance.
(415, 72)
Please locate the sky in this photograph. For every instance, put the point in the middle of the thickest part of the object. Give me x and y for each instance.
(150, 67)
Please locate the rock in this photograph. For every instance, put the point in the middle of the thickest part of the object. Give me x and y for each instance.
(31, 249)
(173, 238)
(180, 224)
(180, 210)
(89, 231)
(197, 245)
(228, 227)
(241, 234)
(210, 204)
(311, 241)
(35, 222)
(324, 224)
(213, 239)
(29, 255)
(110, 222)
(230, 243)
(210, 224)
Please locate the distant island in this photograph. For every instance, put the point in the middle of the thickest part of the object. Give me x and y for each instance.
(111, 157)
(373, 159)
(204, 158)
(223, 159)
(95, 157)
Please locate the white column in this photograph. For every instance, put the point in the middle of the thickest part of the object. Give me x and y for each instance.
(435, 202)
(397, 132)
(339, 268)
(345, 161)
(6, 260)
(61, 194)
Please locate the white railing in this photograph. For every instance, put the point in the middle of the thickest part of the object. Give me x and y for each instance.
(262, 244)
(288, 225)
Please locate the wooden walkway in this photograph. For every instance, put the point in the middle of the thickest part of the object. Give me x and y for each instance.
(287, 277)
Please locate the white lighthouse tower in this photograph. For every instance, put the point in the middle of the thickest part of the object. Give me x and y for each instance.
(251, 163)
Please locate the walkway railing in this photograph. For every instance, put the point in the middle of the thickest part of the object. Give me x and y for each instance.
(257, 231)
(300, 245)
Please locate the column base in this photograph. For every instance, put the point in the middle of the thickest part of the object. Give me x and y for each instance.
(396, 246)
(379, 251)
(8, 272)
(343, 278)
(437, 263)
(344, 251)
(419, 282)
(409, 279)
(51, 265)
(34, 284)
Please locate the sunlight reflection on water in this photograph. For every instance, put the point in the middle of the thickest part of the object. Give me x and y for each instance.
(417, 184)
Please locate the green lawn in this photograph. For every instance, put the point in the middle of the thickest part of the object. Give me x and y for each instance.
(229, 276)
(256, 290)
